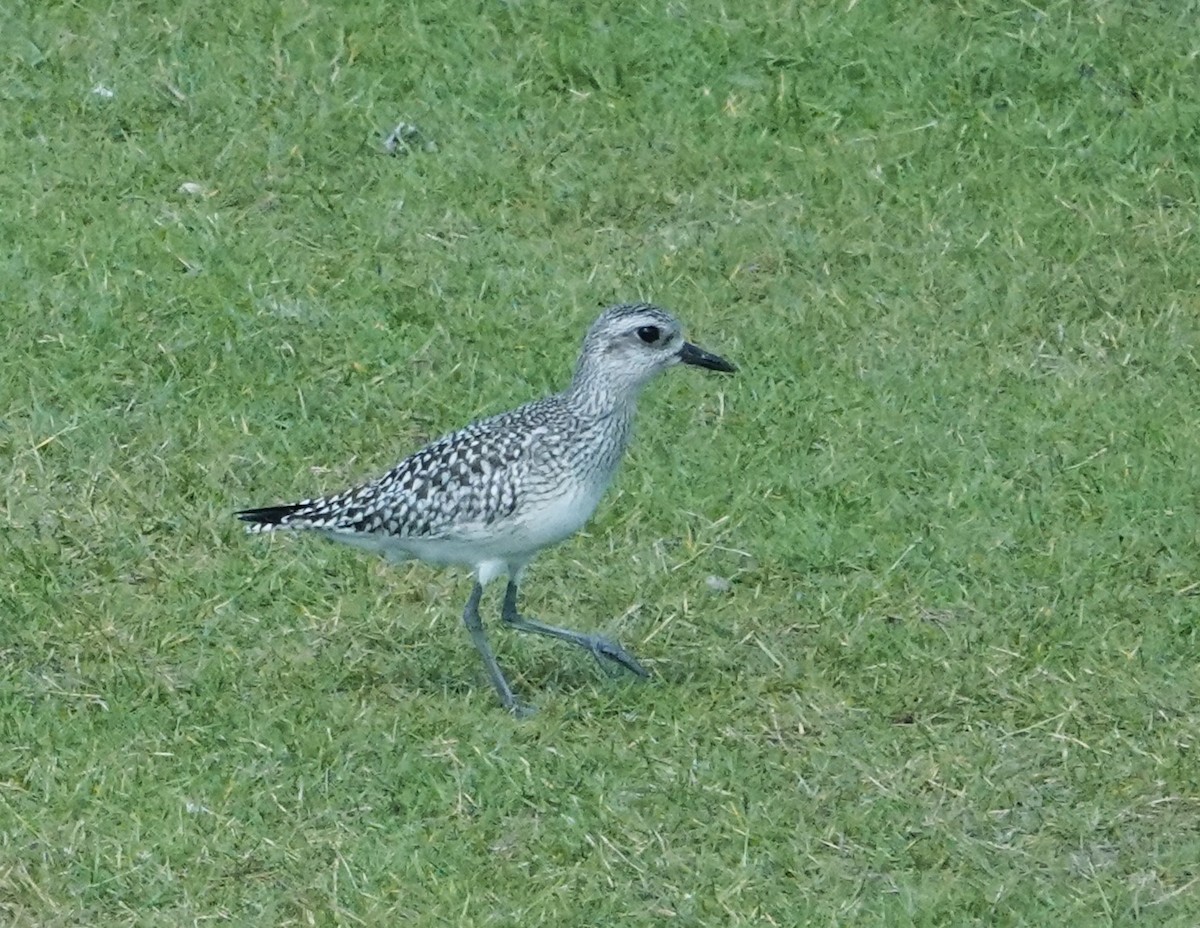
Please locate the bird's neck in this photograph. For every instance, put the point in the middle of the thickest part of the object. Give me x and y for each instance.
(594, 395)
(604, 415)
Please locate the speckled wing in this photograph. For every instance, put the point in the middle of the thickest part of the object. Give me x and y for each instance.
(458, 487)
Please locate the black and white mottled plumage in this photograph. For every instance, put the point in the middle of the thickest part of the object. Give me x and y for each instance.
(493, 494)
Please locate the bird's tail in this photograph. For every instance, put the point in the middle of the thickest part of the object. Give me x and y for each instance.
(269, 518)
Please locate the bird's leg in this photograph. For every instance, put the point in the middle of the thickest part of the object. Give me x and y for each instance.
(475, 628)
(601, 648)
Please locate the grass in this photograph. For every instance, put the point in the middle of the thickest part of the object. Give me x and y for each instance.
(954, 486)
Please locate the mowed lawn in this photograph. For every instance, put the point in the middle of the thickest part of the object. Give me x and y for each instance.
(918, 585)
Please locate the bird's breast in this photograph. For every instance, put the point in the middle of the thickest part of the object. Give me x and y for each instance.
(555, 514)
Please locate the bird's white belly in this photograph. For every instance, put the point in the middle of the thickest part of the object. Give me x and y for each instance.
(536, 524)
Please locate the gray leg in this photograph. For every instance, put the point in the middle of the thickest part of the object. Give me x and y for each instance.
(475, 627)
(599, 646)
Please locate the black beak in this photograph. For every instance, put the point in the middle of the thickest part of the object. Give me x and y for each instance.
(690, 354)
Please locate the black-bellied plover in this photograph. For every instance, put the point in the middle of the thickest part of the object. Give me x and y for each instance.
(492, 495)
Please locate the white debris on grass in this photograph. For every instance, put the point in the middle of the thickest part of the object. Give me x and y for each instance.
(717, 584)
(406, 138)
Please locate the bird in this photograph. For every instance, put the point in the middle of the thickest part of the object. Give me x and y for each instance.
(492, 495)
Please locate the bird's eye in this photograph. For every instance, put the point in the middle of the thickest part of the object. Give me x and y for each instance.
(649, 334)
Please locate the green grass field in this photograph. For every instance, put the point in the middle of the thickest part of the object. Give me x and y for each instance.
(954, 487)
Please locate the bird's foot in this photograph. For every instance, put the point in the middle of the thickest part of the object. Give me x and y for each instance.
(605, 649)
(522, 710)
